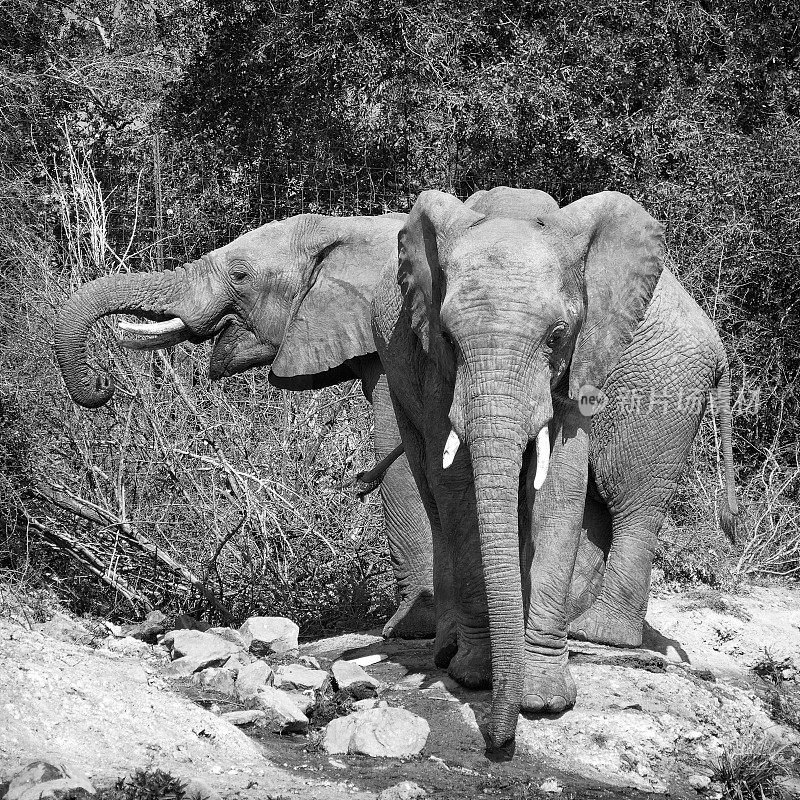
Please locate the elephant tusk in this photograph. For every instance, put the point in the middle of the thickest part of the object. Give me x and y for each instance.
(450, 449)
(542, 457)
(153, 328)
(155, 342)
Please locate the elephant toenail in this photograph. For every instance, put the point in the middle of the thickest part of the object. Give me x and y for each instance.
(533, 702)
(558, 703)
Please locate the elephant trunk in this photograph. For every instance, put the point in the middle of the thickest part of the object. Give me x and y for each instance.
(147, 294)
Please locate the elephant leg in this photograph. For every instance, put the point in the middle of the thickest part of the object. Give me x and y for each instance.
(441, 566)
(471, 665)
(555, 529)
(407, 529)
(590, 564)
(617, 616)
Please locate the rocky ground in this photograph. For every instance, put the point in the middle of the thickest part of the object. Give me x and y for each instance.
(249, 713)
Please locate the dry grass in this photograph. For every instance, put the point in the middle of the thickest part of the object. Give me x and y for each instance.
(751, 770)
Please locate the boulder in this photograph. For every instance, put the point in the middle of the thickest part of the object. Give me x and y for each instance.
(309, 661)
(216, 679)
(184, 667)
(353, 680)
(405, 790)
(239, 660)
(265, 635)
(252, 678)
(296, 676)
(243, 717)
(154, 625)
(229, 634)
(385, 732)
(41, 779)
(281, 712)
(212, 650)
(302, 700)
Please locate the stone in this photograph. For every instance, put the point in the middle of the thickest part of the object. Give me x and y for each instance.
(229, 634)
(699, 782)
(183, 667)
(154, 625)
(189, 623)
(41, 779)
(127, 645)
(380, 732)
(211, 649)
(281, 713)
(309, 661)
(551, 786)
(252, 678)
(243, 717)
(368, 702)
(353, 680)
(239, 660)
(216, 679)
(197, 790)
(265, 635)
(406, 790)
(302, 700)
(296, 676)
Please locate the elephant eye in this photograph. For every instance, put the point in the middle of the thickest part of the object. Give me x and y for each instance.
(239, 275)
(557, 334)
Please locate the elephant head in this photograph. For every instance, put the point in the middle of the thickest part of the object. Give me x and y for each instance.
(275, 295)
(512, 307)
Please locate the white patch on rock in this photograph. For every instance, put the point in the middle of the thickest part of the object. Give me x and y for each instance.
(296, 676)
(380, 732)
(252, 678)
(265, 635)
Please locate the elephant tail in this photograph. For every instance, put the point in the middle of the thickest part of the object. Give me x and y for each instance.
(727, 504)
(366, 482)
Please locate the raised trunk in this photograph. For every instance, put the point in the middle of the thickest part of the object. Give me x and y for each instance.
(496, 454)
(150, 294)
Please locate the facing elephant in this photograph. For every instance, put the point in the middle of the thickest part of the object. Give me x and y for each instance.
(503, 323)
(295, 294)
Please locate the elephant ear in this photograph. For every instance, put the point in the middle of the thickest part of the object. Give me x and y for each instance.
(623, 260)
(435, 223)
(330, 319)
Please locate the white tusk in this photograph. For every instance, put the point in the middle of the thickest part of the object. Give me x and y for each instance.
(542, 457)
(153, 328)
(450, 449)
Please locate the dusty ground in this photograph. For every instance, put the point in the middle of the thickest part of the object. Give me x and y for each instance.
(644, 722)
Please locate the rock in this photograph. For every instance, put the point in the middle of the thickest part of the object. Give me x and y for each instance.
(353, 680)
(127, 645)
(183, 667)
(281, 713)
(239, 660)
(362, 705)
(197, 790)
(230, 635)
(407, 790)
(41, 779)
(386, 732)
(302, 700)
(243, 717)
(252, 678)
(154, 625)
(296, 676)
(699, 782)
(309, 661)
(551, 786)
(216, 679)
(207, 647)
(189, 623)
(265, 635)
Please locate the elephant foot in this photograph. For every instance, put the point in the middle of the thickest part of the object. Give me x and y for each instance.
(446, 642)
(601, 625)
(472, 665)
(415, 617)
(549, 687)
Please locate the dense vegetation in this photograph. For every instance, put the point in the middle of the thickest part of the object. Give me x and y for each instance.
(139, 133)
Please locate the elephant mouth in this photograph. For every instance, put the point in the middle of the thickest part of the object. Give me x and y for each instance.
(165, 333)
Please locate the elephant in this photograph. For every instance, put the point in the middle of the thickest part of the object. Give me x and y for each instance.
(513, 334)
(295, 294)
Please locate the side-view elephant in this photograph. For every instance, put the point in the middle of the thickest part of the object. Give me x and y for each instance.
(295, 294)
(504, 322)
